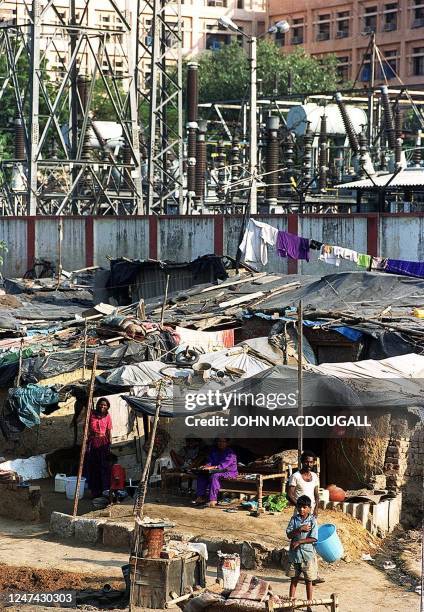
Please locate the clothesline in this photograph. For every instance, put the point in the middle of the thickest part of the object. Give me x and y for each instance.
(259, 236)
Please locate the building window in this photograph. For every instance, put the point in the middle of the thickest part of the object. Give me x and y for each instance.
(240, 4)
(214, 39)
(365, 73)
(342, 24)
(343, 65)
(218, 3)
(323, 27)
(389, 65)
(418, 14)
(418, 61)
(108, 22)
(370, 19)
(298, 28)
(390, 17)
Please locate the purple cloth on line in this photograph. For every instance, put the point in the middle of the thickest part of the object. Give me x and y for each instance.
(405, 268)
(290, 245)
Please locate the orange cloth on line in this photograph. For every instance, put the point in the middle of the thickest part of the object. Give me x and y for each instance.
(117, 479)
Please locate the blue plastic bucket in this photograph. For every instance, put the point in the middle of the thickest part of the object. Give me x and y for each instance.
(329, 546)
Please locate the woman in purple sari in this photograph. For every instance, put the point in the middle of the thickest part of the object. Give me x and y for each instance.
(221, 458)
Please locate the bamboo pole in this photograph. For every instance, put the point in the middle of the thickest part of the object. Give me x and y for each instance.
(59, 254)
(300, 377)
(165, 299)
(84, 365)
(85, 435)
(141, 495)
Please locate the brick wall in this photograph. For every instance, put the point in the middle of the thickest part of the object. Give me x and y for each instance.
(404, 469)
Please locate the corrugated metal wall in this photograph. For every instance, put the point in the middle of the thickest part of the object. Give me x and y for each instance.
(93, 240)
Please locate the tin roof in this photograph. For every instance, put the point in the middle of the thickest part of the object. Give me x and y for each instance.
(410, 177)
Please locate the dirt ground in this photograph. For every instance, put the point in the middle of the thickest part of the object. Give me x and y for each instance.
(268, 529)
(360, 585)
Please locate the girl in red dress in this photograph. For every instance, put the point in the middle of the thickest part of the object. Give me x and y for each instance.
(98, 448)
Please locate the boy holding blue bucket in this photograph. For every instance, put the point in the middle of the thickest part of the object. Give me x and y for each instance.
(302, 530)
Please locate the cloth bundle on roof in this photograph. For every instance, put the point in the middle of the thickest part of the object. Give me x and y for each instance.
(136, 375)
(29, 402)
(156, 338)
(206, 340)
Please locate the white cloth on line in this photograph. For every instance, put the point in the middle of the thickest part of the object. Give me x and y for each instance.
(347, 254)
(329, 258)
(254, 246)
(336, 254)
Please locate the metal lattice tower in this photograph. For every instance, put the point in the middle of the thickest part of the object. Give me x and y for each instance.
(160, 46)
(65, 160)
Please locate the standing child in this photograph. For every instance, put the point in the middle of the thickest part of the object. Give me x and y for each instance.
(302, 530)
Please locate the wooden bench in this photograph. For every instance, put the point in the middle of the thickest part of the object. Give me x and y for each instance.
(266, 481)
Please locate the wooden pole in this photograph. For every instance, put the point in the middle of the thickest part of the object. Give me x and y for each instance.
(302, 603)
(299, 377)
(59, 254)
(141, 493)
(84, 365)
(85, 435)
(141, 496)
(165, 299)
(141, 310)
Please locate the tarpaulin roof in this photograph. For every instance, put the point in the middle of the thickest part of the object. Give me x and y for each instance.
(38, 368)
(358, 291)
(150, 372)
(390, 384)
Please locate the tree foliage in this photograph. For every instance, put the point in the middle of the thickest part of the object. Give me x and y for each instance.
(224, 74)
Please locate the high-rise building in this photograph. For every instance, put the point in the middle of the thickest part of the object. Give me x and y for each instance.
(200, 27)
(345, 29)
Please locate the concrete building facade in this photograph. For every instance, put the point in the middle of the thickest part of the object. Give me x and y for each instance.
(344, 28)
(200, 27)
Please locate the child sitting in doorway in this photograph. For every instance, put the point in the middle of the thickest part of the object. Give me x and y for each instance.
(117, 491)
(302, 530)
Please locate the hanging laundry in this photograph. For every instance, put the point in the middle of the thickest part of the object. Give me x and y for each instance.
(290, 245)
(254, 246)
(347, 254)
(328, 256)
(378, 263)
(405, 268)
(315, 245)
(364, 261)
